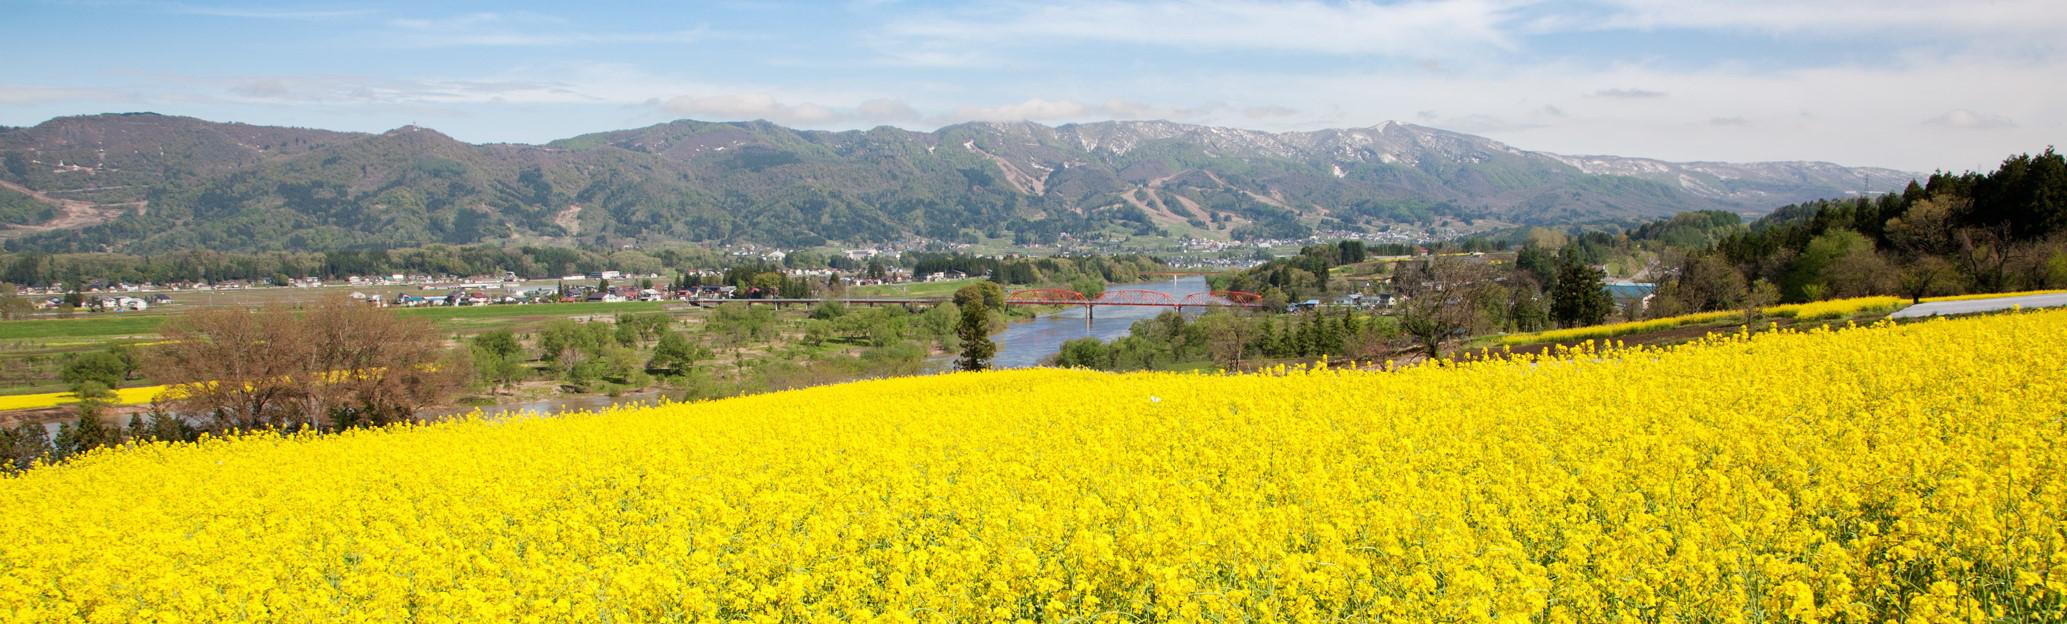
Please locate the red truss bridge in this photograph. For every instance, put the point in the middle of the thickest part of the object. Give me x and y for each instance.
(1134, 298)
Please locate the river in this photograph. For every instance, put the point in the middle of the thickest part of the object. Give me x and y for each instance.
(1026, 344)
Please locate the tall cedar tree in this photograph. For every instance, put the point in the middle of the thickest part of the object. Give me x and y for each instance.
(974, 332)
(1580, 296)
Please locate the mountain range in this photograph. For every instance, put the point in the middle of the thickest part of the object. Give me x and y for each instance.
(144, 182)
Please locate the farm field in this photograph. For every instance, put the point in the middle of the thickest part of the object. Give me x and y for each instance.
(1899, 472)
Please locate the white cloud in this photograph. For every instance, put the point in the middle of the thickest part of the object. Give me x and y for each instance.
(1355, 27)
(1035, 109)
(883, 110)
(345, 89)
(25, 94)
(1067, 110)
(520, 29)
(1629, 94)
(1822, 17)
(269, 13)
(1852, 117)
(1269, 111)
(1966, 119)
(749, 106)
(1476, 123)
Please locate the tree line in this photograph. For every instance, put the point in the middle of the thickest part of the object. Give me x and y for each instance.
(2000, 231)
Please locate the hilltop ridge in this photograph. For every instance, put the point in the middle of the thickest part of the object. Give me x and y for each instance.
(184, 183)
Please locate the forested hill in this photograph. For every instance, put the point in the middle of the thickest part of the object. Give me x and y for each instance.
(146, 183)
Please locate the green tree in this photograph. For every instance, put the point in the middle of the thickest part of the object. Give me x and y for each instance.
(1528, 313)
(1350, 251)
(501, 342)
(1826, 267)
(974, 334)
(1267, 342)
(1580, 296)
(85, 434)
(735, 325)
(1086, 352)
(100, 369)
(828, 310)
(22, 446)
(636, 330)
(498, 357)
(938, 324)
(1537, 262)
(584, 352)
(816, 332)
(986, 295)
(1090, 287)
(676, 355)
(565, 342)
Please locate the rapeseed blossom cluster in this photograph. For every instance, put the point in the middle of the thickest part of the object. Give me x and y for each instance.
(1610, 330)
(123, 396)
(1900, 472)
(1838, 308)
(1812, 311)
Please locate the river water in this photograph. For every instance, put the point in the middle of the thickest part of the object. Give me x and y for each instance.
(1026, 344)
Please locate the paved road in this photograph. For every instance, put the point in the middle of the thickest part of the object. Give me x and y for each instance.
(1980, 305)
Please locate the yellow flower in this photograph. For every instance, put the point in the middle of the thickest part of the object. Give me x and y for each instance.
(1844, 474)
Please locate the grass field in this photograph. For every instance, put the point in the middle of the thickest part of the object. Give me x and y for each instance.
(83, 326)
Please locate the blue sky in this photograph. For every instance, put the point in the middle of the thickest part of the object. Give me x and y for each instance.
(1913, 84)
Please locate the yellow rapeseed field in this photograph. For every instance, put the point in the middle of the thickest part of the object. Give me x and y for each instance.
(1812, 311)
(1838, 308)
(1914, 472)
(1610, 330)
(123, 396)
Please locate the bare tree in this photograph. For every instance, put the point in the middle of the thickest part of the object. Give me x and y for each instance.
(1437, 300)
(1987, 253)
(1227, 337)
(12, 304)
(1924, 276)
(335, 364)
(1757, 296)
